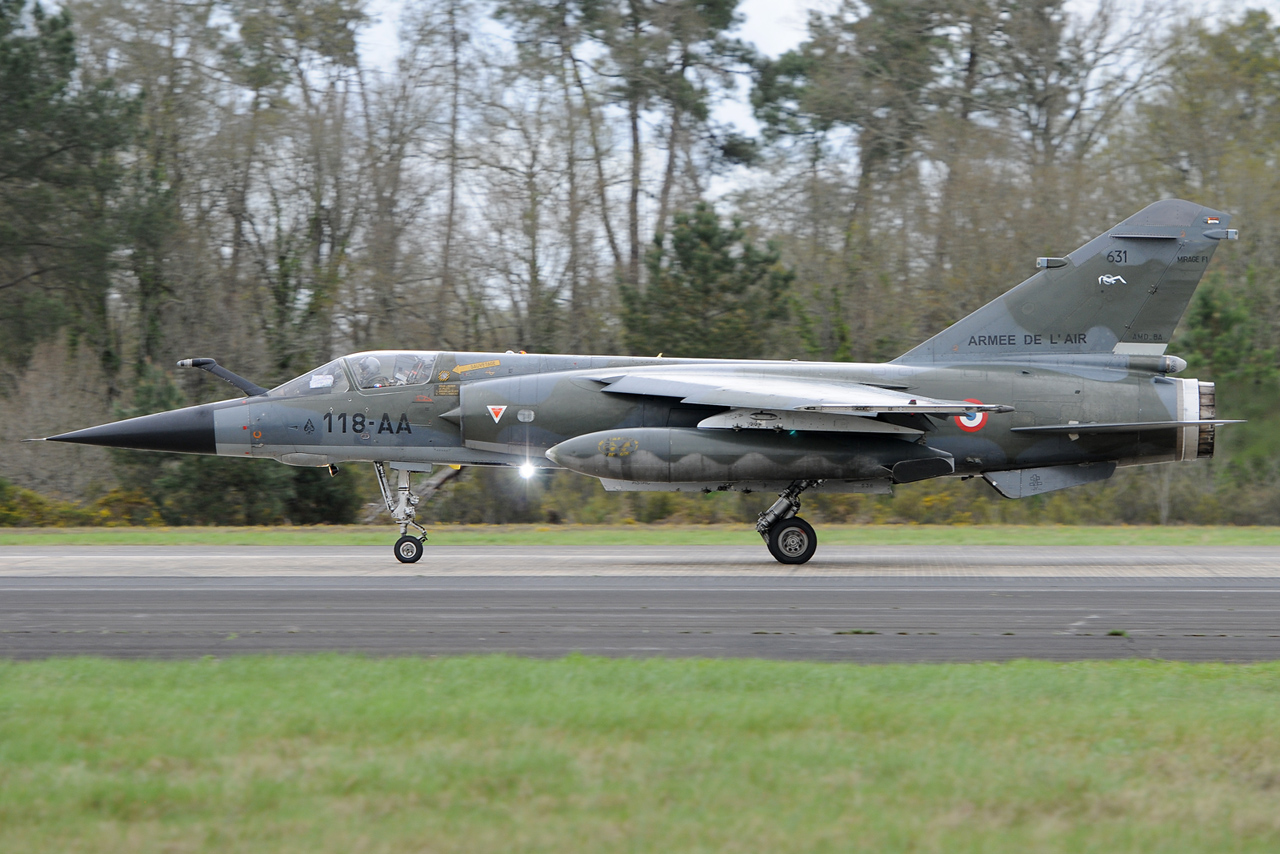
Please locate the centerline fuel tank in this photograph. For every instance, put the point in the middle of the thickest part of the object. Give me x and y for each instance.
(677, 455)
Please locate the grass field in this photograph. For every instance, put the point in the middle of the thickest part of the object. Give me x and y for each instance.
(712, 535)
(496, 754)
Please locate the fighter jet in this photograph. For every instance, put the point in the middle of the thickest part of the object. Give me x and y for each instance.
(1056, 383)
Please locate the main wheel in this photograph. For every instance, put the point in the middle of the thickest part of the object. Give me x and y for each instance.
(408, 549)
(792, 540)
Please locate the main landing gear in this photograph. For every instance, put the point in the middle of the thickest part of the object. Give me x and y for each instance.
(402, 506)
(790, 539)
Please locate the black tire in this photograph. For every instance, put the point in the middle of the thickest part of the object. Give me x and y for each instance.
(792, 541)
(408, 549)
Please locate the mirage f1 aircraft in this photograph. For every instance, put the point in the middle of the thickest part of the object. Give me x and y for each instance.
(1052, 385)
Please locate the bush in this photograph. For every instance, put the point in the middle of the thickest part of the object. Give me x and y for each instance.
(24, 508)
(125, 507)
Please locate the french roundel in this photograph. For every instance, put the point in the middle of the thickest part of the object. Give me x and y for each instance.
(972, 422)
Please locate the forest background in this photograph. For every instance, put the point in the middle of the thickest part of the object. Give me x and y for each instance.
(233, 178)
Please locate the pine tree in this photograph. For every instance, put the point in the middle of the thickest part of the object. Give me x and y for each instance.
(711, 293)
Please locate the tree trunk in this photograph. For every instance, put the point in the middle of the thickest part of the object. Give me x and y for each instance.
(447, 276)
(633, 202)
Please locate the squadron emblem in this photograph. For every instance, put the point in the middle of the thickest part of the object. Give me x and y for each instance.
(618, 446)
(1112, 280)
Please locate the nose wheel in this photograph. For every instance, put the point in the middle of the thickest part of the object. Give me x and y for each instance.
(409, 549)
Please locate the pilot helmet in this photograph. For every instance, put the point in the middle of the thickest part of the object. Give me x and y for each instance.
(369, 367)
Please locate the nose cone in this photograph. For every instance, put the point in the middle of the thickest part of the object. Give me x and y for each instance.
(575, 454)
(182, 431)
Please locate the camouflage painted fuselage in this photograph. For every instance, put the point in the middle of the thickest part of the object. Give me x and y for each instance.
(518, 407)
(1053, 384)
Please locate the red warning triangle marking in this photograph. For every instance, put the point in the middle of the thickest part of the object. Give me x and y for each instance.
(496, 412)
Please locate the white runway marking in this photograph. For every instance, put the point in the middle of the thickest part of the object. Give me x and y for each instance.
(640, 561)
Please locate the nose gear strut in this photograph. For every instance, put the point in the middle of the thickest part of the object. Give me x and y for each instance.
(402, 504)
(790, 539)
(403, 507)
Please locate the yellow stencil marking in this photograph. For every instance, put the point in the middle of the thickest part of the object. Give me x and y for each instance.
(477, 366)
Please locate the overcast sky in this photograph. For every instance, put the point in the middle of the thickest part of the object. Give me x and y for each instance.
(773, 26)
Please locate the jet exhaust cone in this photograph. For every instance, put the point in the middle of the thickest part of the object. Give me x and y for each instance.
(182, 431)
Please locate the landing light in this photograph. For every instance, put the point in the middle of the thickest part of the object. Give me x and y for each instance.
(527, 470)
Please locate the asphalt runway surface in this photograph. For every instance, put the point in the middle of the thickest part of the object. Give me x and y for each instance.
(857, 604)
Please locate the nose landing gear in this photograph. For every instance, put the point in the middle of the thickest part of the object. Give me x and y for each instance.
(402, 503)
(790, 539)
(402, 507)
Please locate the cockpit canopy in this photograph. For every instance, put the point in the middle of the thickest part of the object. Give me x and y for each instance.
(380, 370)
(370, 370)
(323, 380)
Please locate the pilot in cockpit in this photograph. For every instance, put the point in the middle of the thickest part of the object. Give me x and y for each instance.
(371, 373)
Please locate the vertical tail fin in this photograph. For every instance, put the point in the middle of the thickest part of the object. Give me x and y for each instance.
(1122, 292)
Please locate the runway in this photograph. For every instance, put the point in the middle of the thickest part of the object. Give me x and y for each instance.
(641, 561)
(882, 604)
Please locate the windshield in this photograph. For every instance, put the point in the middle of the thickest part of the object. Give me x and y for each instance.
(380, 370)
(330, 378)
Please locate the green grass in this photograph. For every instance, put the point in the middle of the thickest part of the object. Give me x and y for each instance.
(340, 754)
(639, 535)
